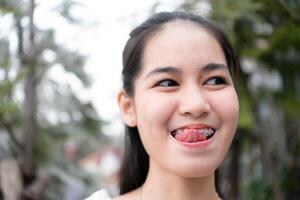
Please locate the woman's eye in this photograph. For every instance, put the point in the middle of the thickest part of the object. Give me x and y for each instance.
(216, 81)
(167, 83)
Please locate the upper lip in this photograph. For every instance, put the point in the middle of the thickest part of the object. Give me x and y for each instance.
(194, 126)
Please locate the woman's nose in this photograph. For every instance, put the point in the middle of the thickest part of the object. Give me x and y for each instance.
(194, 103)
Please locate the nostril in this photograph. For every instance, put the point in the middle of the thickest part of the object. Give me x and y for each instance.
(197, 115)
(194, 107)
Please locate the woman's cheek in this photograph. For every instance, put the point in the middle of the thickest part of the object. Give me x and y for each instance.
(233, 109)
(226, 105)
(229, 109)
(156, 109)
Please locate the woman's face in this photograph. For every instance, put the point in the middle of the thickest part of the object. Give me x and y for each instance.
(185, 105)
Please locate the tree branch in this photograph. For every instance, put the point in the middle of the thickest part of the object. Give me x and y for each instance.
(293, 14)
(37, 188)
(11, 133)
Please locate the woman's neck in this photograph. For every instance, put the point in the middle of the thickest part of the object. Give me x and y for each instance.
(161, 185)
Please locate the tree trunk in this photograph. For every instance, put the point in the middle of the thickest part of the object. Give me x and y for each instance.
(30, 101)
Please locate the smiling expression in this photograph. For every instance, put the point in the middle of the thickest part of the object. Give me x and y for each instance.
(184, 92)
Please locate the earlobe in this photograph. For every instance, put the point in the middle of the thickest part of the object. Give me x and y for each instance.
(126, 107)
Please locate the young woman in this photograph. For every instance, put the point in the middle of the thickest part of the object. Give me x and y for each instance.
(180, 108)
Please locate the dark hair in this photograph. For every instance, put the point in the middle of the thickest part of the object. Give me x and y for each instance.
(135, 162)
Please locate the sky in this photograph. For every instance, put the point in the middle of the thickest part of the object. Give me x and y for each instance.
(101, 37)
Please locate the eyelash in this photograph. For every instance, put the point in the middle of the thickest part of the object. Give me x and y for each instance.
(217, 81)
(160, 83)
(217, 78)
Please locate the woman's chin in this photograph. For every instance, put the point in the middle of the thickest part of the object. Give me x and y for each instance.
(195, 172)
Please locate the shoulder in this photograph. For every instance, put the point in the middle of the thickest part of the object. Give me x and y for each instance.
(99, 195)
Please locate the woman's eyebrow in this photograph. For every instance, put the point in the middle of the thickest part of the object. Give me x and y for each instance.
(167, 69)
(214, 66)
(173, 70)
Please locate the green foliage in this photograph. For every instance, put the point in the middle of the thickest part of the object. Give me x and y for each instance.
(258, 190)
(235, 9)
(246, 117)
(290, 181)
(290, 105)
(61, 116)
(8, 6)
(9, 107)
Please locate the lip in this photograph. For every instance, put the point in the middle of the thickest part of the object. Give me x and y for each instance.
(201, 144)
(194, 126)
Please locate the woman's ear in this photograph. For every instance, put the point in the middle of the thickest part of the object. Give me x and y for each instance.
(127, 109)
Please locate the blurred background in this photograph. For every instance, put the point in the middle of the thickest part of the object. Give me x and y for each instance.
(61, 137)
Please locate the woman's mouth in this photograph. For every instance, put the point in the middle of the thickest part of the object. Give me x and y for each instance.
(193, 135)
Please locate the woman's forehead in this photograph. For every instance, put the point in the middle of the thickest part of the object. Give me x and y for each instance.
(180, 43)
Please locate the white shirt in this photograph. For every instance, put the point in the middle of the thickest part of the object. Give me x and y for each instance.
(99, 195)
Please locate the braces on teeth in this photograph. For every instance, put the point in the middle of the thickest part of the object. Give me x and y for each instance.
(206, 132)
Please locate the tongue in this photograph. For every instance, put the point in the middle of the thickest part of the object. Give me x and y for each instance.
(190, 136)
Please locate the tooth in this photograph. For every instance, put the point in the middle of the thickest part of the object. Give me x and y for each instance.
(206, 131)
(209, 132)
(179, 131)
